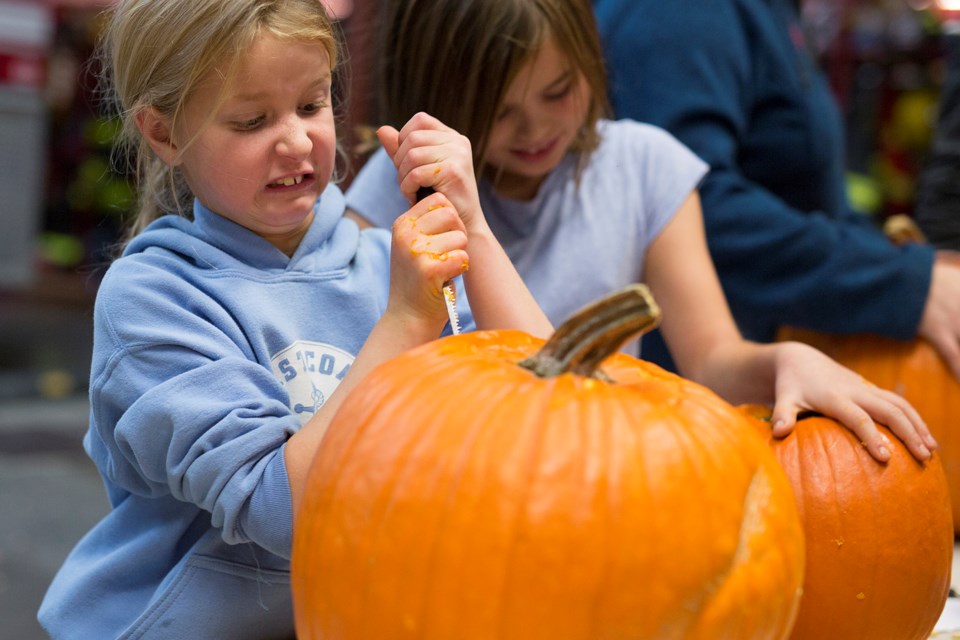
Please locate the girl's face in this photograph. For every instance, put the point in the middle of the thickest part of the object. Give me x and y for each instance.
(543, 109)
(263, 156)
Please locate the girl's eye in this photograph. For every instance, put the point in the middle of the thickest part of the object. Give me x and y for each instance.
(248, 125)
(561, 94)
(313, 107)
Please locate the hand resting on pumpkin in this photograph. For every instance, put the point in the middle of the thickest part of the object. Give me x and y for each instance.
(807, 379)
(792, 377)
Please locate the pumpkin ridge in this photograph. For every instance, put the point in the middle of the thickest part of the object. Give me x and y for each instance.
(341, 455)
(603, 580)
(687, 440)
(314, 501)
(747, 553)
(809, 463)
(796, 461)
(640, 490)
(454, 483)
(480, 419)
(520, 520)
(714, 587)
(617, 411)
(385, 502)
(709, 461)
(870, 598)
(824, 453)
(474, 440)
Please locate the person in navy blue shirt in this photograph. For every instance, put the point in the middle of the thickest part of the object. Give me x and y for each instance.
(734, 81)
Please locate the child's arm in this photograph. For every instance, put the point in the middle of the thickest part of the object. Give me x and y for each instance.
(428, 249)
(427, 153)
(707, 346)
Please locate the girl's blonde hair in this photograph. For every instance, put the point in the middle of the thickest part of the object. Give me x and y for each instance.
(455, 59)
(154, 53)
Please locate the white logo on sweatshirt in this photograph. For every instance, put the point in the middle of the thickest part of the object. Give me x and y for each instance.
(310, 371)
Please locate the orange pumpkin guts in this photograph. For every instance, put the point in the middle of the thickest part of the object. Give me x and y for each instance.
(915, 371)
(879, 536)
(476, 487)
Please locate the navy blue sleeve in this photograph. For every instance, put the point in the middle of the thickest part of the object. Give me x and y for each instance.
(730, 79)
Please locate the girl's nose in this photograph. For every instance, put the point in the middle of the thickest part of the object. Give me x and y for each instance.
(528, 124)
(294, 141)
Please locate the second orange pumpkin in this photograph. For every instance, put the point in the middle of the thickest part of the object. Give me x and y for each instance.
(914, 370)
(879, 536)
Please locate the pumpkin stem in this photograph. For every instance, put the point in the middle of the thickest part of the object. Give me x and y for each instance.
(596, 332)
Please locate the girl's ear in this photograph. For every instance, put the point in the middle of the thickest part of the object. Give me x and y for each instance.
(156, 131)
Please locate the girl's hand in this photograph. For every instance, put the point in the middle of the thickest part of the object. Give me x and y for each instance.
(429, 248)
(807, 379)
(427, 153)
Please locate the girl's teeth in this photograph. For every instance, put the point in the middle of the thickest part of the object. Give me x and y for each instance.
(289, 182)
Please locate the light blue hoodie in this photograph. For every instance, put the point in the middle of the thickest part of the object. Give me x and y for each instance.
(211, 349)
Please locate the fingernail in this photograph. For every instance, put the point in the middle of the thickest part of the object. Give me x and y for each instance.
(884, 452)
(778, 424)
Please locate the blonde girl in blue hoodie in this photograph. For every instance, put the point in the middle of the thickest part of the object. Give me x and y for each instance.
(243, 308)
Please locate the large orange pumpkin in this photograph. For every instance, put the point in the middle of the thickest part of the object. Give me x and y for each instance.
(459, 494)
(914, 370)
(879, 536)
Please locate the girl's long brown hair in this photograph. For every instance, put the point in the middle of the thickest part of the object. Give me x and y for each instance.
(455, 59)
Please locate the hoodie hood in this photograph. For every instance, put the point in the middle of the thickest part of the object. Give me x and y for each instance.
(214, 242)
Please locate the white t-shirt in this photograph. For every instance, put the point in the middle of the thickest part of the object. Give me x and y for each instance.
(574, 241)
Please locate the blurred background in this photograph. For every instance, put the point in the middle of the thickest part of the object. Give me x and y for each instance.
(62, 205)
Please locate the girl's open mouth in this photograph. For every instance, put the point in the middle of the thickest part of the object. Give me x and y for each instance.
(290, 182)
(535, 154)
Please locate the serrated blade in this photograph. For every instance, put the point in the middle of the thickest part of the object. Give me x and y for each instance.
(450, 299)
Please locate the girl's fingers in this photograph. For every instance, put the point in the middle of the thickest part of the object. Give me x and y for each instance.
(861, 419)
(911, 414)
(436, 240)
(390, 139)
(416, 152)
(913, 433)
(783, 423)
(444, 247)
(422, 124)
(434, 215)
(426, 166)
(862, 425)
(427, 175)
(892, 411)
(849, 399)
(783, 419)
(428, 153)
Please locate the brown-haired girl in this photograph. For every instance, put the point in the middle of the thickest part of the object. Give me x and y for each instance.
(584, 205)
